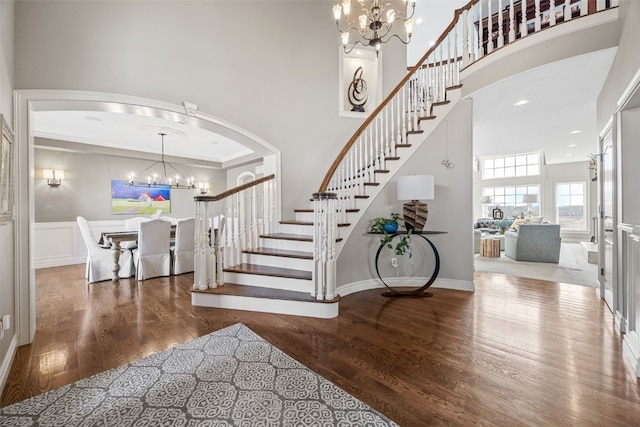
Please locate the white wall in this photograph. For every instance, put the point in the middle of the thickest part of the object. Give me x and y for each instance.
(276, 76)
(451, 210)
(86, 189)
(7, 247)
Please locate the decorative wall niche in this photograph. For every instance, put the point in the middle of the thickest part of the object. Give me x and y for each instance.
(360, 82)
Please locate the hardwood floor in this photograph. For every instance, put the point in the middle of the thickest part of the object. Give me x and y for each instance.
(515, 352)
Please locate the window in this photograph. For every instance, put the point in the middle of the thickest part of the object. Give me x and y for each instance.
(570, 206)
(511, 200)
(511, 166)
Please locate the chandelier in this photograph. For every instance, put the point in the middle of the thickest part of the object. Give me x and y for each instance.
(374, 23)
(156, 180)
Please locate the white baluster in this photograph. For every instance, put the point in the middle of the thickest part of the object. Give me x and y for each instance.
(584, 7)
(512, 22)
(387, 149)
(552, 13)
(489, 28)
(524, 30)
(538, 25)
(480, 31)
(404, 113)
(500, 23)
(466, 55)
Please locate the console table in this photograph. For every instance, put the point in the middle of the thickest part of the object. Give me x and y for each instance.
(421, 291)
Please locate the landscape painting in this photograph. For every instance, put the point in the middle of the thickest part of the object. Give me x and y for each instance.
(129, 200)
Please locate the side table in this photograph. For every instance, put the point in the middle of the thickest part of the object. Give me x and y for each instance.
(421, 291)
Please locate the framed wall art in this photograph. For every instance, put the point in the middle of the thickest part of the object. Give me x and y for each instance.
(6, 172)
(360, 82)
(131, 200)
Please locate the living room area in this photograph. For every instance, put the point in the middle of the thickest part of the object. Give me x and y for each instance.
(535, 219)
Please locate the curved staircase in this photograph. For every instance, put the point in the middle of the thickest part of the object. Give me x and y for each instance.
(289, 267)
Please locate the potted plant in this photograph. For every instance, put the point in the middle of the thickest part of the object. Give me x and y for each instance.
(503, 224)
(388, 227)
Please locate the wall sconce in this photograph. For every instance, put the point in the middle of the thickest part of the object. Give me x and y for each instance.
(54, 177)
(415, 188)
(203, 186)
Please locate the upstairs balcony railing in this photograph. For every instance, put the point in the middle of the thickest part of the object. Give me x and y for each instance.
(477, 29)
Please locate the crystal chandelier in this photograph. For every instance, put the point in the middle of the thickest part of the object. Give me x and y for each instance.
(374, 23)
(156, 180)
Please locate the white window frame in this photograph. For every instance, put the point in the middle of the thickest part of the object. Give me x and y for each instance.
(516, 192)
(511, 166)
(585, 204)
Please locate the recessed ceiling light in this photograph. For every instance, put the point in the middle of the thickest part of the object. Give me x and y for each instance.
(432, 42)
(521, 102)
(419, 20)
(572, 145)
(573, 132)
(568, 154)
(93, 118)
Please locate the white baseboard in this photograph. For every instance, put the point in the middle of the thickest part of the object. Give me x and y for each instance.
(411, 282)
(631, 351)
(58, 261)
(5, 367)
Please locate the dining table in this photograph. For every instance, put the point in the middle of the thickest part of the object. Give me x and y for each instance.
(113, 239)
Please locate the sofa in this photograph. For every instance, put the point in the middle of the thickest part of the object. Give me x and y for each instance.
(533, 242)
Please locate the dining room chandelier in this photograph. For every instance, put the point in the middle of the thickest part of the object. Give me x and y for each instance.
(374, 22)
(163, 179)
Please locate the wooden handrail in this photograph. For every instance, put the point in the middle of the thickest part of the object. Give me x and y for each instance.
(234, 190)
(379, 108)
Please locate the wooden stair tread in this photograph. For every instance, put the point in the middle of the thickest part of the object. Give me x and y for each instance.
(403, 145)
(293, 222)
(280, 252)
(426, 118)
(266, 293)
(372, 183)
(353, 210)
(288, 236)
(392, 158)
(296, 237)
(435, 104)
(414, 132)
(309, 223)
(381, 171)
(265, 270)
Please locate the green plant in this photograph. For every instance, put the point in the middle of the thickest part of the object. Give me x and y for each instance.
(504, 223)
(404, 241)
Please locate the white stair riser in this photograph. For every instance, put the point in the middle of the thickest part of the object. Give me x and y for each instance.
(278, 261)
(284, 283)
(296, 308)
(296, 229)
(293, 245)
(304, 216)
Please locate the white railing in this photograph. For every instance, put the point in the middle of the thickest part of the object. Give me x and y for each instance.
(324, 246)
(630, 272)
(477, 29)
(228, 224)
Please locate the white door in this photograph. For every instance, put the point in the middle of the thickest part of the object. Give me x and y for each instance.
(607, 205)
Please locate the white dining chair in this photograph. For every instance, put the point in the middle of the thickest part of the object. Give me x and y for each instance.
(183, 251)
(152, 257)
(100, 260)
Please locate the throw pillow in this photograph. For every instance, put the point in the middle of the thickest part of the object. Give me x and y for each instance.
(516, 224)
(535, 219)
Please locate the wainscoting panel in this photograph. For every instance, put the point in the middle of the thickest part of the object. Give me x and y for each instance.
(60, 243)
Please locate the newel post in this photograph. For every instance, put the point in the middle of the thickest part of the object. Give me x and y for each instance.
(324, 241)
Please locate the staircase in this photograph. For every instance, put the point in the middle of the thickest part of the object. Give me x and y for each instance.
(253, 264)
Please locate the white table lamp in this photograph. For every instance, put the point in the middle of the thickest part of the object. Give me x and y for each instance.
(529, 199)
(415, 188)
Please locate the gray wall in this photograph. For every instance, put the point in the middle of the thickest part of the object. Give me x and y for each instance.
(450, 211)
(275, 74)
(86, 189)
(7, 247)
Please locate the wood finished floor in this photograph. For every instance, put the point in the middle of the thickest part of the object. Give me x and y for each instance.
(515, 352)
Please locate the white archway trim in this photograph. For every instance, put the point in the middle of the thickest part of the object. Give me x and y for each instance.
(28, 101)
(241, 178)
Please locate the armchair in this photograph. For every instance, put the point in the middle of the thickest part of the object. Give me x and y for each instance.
(533, 242)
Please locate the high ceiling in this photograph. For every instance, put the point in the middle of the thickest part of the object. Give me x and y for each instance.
(562, 99)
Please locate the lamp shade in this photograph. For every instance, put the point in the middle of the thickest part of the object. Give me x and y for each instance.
(415, 187)
(530, 198)
(485, 199)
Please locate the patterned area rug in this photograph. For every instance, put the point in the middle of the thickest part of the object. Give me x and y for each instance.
(231, 377)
